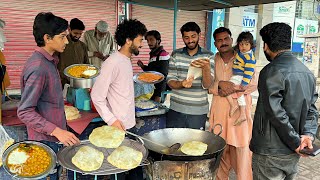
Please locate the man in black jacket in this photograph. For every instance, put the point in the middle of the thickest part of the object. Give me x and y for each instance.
(286, 117)
(159, 61)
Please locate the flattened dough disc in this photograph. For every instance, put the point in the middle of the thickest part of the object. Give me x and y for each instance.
(88, 158)
(194, 148)
(107, 136)
(125, 158)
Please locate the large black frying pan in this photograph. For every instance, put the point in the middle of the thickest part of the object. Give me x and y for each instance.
(170, 136)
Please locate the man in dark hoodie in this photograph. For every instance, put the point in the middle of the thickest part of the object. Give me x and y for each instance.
(159, 61)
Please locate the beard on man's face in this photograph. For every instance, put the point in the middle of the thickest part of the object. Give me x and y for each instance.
(267, 56)
(74, 38)
(192, 45)
(134, 50)
(99, 37)
(152, 46)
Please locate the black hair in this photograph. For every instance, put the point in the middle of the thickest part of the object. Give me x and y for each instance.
(153, 33)
(245, 36)
(129, 29)
(190, 26)
(47, 23)
(76, 23)
(277, 36)
(221, 30)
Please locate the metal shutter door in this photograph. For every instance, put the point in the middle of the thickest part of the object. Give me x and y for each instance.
(162, 20)
(19, 17)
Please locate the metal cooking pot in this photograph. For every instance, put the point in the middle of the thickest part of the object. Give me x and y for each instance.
(81, 82)
(170, 136)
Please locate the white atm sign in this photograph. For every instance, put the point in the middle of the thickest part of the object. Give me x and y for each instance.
(249, 22)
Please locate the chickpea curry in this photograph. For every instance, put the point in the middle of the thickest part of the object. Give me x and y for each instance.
(28, 160)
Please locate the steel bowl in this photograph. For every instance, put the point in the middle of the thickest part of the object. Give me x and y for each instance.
(51, 153)
(81, 82)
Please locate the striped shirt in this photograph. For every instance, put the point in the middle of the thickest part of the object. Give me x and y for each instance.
(244, 65)
(192, 100)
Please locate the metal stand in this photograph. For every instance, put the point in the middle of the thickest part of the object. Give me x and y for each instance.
(95, 176)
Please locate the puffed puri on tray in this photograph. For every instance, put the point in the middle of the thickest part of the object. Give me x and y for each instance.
(107, 137)
(125, 157)
(88, 158)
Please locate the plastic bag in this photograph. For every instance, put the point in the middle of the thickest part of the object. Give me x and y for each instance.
(195, 72)
(5, 142)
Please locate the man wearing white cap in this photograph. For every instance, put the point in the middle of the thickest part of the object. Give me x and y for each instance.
(100, 43)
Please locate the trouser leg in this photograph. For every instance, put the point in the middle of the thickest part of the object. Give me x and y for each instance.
(225, 165)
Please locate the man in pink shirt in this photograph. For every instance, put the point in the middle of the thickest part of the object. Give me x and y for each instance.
(113, 93)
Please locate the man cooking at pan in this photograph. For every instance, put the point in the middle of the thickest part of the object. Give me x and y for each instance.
(113, 92)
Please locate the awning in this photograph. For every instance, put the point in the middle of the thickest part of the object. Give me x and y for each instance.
(198, 5)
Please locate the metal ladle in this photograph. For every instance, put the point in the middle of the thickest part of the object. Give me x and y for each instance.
(167, 150)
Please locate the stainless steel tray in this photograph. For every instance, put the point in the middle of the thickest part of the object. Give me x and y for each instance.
(65, 155)
(65, 71)
(81, 82)
(136, 79)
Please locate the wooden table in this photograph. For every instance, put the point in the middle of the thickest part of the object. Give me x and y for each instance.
(9, 118)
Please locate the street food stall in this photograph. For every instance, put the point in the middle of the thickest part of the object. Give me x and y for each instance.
(79, 114)
(176, 165)
(158, 164)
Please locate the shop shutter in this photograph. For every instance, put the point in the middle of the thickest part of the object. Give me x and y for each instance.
(162, 20)
(19, 16)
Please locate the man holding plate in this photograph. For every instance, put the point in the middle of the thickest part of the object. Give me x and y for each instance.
(189, 100)
(159, 61)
